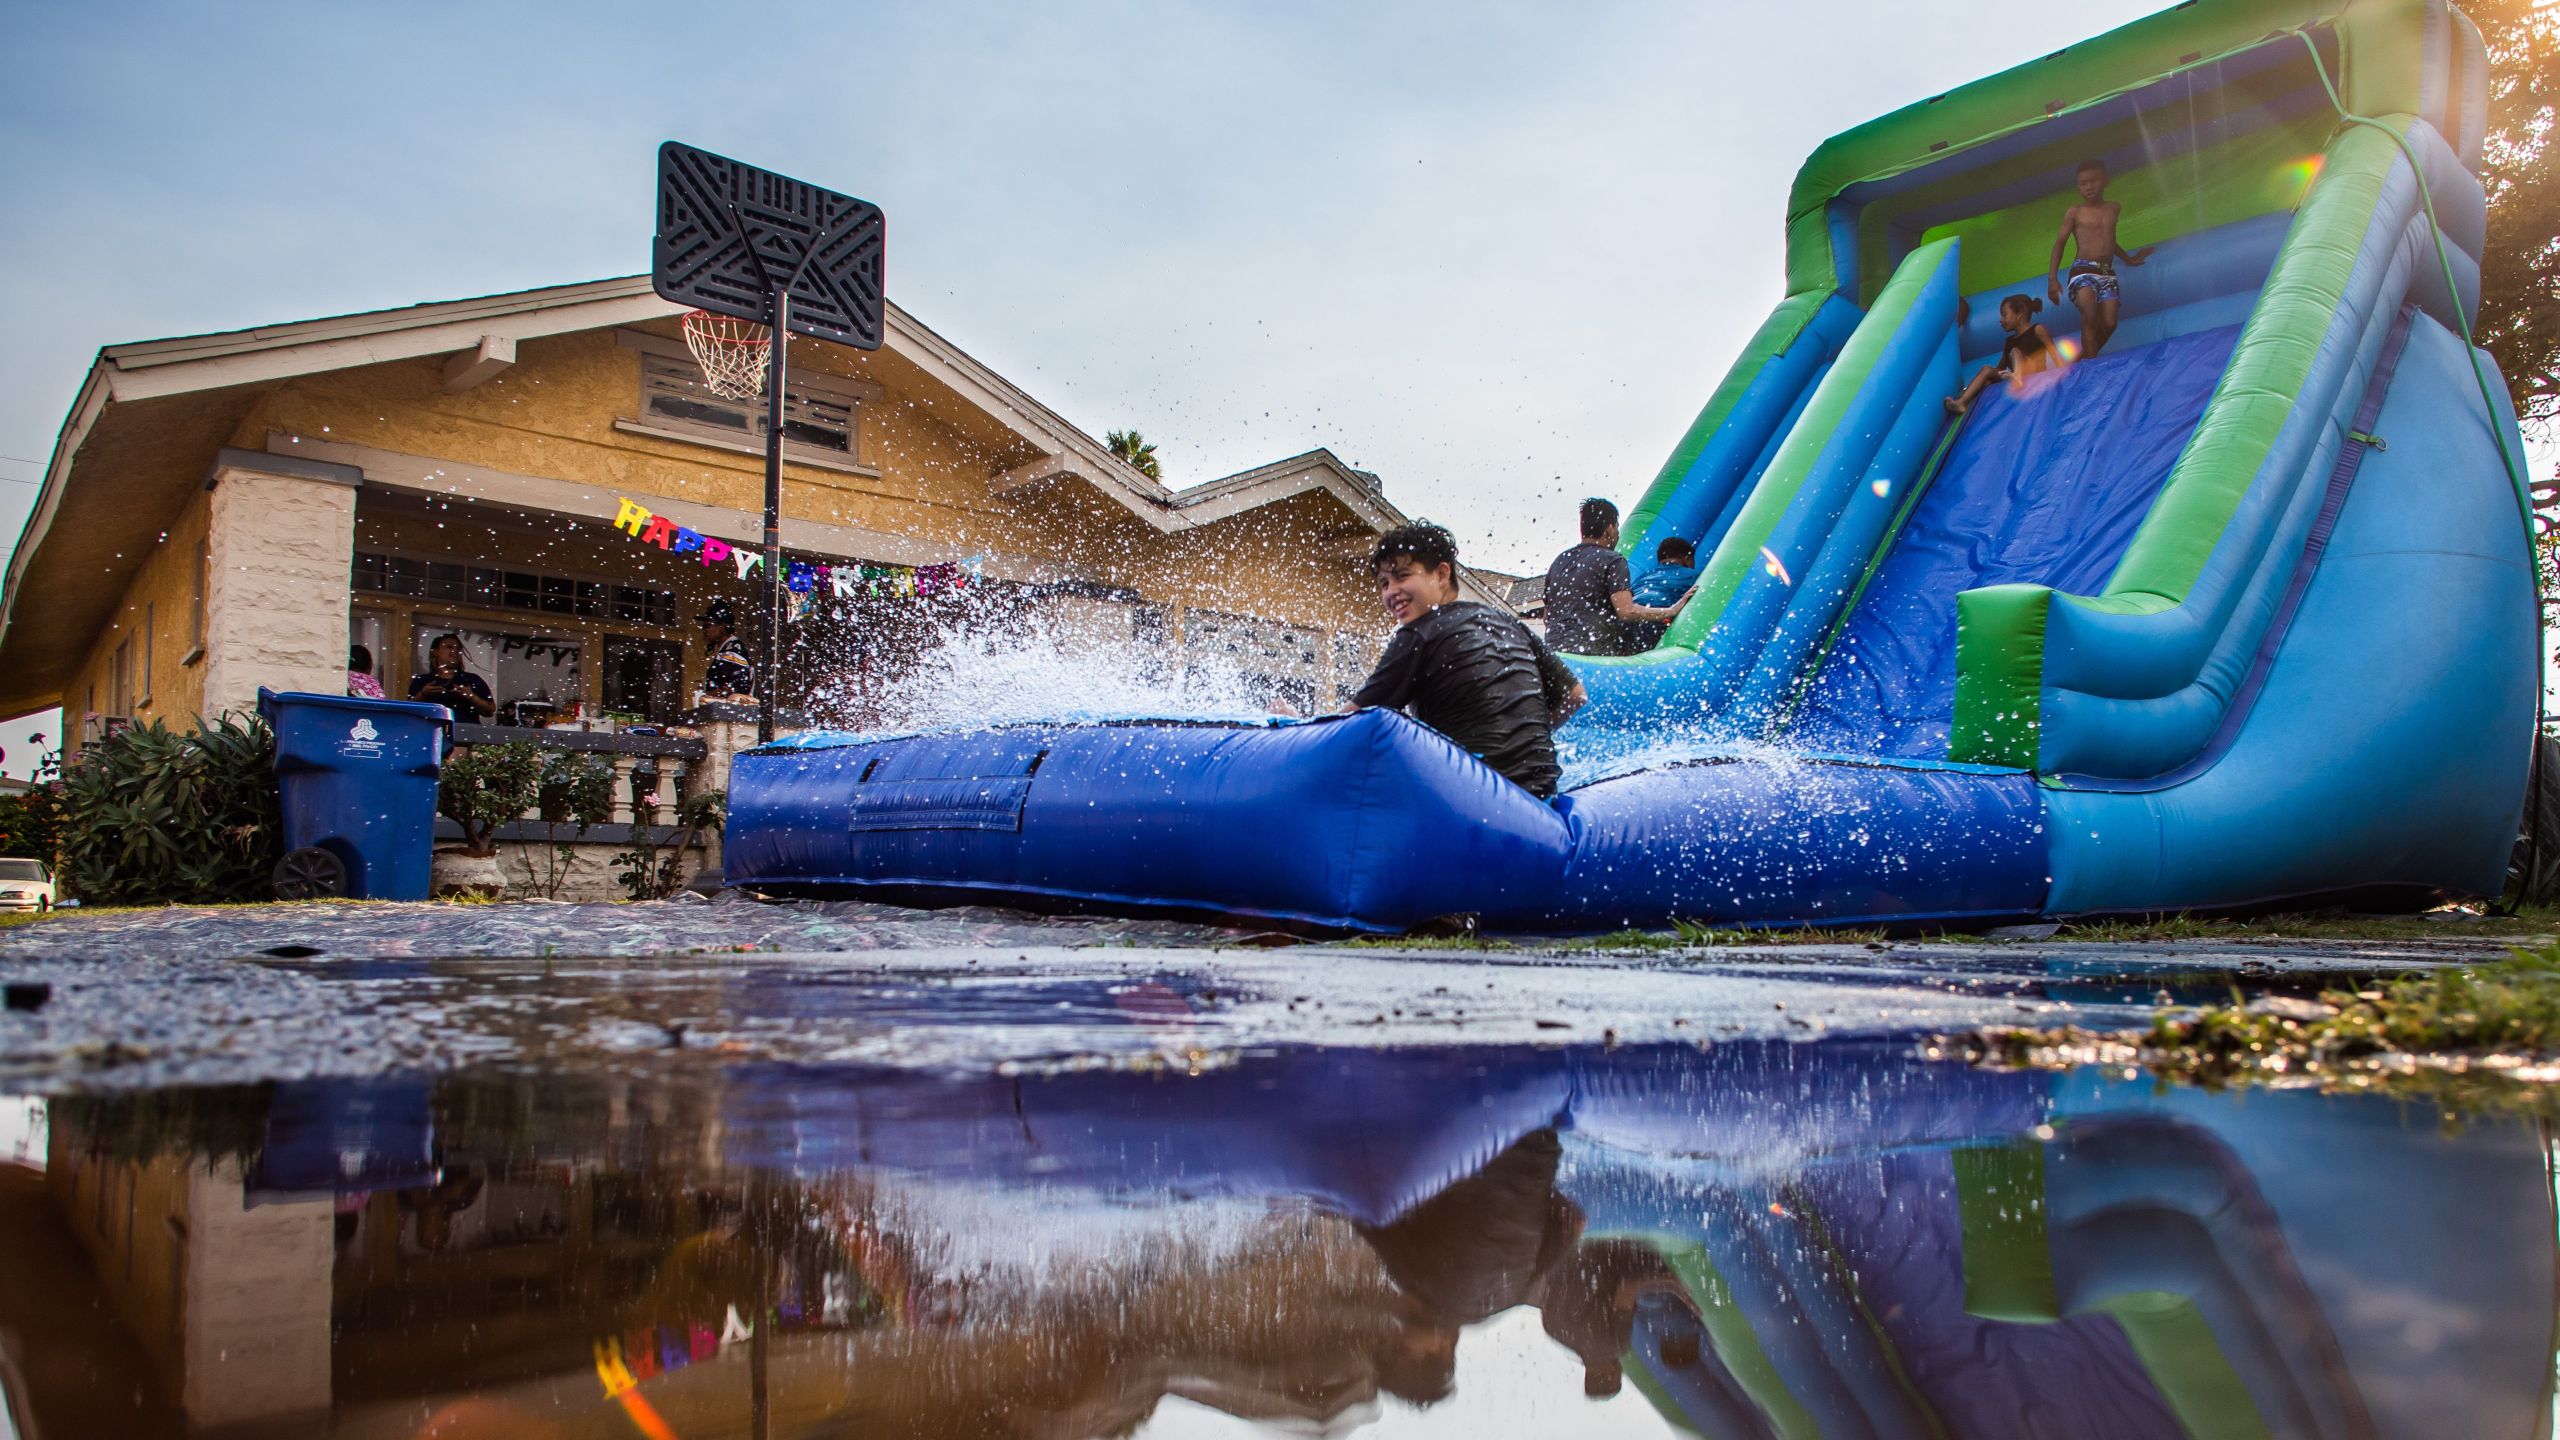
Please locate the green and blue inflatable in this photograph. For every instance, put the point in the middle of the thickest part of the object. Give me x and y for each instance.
(2238, 613)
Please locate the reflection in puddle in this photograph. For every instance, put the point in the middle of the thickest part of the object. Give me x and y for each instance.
(1750, 1240)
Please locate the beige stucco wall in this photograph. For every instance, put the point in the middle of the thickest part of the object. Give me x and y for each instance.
(553, 414)
(563, 412)
(276, 587)
(161, 599)
(230, 1303)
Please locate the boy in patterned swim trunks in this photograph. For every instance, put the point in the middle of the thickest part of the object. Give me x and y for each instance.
(2090, 226)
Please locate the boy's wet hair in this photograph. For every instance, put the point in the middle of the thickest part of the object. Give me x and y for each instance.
(1427, 545)
(2023, 304)
(2085, 166)
(1597, 516)
(1663, 553)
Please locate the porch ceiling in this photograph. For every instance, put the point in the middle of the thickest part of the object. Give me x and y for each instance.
(139, 464)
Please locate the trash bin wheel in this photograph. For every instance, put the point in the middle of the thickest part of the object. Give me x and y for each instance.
(310, 873)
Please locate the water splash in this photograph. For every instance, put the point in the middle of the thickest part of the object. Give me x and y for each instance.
(974, 666)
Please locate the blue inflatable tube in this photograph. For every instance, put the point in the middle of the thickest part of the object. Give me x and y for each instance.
(1373, 822)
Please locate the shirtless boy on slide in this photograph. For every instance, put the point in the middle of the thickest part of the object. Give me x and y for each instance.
(2091, 226)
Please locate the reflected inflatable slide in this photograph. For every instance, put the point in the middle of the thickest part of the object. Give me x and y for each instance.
(2237, 612)
(1776, 1239)
(1762, 1238)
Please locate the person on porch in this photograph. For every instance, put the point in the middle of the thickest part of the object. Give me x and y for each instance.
(449, 683)
(727, 674)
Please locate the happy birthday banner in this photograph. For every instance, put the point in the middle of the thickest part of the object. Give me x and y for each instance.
(806, 577)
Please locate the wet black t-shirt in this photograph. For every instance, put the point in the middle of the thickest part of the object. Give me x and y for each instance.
(1479, 677)
(1580, 619)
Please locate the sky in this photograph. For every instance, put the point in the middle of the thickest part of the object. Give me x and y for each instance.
(1497, 253)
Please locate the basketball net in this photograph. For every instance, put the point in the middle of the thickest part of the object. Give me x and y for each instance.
(733, 353)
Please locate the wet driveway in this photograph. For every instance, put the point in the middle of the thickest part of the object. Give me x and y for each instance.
(971, 1175)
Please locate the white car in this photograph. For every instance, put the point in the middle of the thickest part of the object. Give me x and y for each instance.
(25, 885)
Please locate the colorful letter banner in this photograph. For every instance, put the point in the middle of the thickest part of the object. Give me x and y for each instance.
(807, 580)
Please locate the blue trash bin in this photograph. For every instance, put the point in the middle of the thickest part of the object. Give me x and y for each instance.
(358, 779)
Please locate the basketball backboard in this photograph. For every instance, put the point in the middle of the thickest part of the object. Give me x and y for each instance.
(731, 235)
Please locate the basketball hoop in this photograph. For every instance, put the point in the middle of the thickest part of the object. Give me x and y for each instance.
(733, 353)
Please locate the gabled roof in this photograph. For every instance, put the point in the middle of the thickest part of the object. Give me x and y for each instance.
(153, 368)
(236, 361)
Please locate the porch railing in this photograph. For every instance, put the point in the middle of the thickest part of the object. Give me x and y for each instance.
(660, 770)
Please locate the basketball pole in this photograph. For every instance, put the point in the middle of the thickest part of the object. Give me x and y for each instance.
(777, 372)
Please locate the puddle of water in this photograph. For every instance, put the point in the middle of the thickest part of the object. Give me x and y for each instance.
(1754, 1238)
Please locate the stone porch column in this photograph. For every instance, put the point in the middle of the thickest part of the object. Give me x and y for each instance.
(279, 555)
(723, 736)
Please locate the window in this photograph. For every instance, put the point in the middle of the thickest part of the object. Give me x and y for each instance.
(644, 676)
(814, 414)
(120, 678)
(526, 590)
(150, 621)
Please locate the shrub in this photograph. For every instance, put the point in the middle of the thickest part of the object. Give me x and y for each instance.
(650, 871)
(486, 786)
(576, 789)
(152, 817)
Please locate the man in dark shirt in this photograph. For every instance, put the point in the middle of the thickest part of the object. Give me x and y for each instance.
(726, 671)
(1591, 609)
(1467, 670)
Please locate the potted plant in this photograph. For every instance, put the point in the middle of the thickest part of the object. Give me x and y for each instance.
(482, 788)
(576, 789)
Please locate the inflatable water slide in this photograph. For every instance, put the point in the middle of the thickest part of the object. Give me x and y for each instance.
(2237, 612)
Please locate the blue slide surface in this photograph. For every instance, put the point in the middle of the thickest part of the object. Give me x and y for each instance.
(2043, 488)
(2238, 613)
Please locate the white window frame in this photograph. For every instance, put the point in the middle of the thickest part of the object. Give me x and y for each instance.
(673, 363)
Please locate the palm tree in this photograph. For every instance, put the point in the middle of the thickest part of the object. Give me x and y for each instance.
(1131, 446)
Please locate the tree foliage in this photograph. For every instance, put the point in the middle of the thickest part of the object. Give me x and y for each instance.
(2520, 273)
(31, 823)
(1131, 446)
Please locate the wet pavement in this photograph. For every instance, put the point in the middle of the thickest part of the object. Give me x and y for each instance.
(397, 1171)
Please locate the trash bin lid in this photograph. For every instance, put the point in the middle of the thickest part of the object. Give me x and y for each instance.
(270, 701)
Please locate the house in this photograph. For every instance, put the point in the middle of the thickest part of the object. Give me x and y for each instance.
(1524, 595)
(229, 511)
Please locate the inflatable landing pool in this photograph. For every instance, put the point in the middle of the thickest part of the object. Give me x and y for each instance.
(1372, 821)
(2239, 612)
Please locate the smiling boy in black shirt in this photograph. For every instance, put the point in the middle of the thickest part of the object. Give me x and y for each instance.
(1467, 670)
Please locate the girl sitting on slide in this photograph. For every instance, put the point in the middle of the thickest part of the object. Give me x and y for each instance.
(2029, 351)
